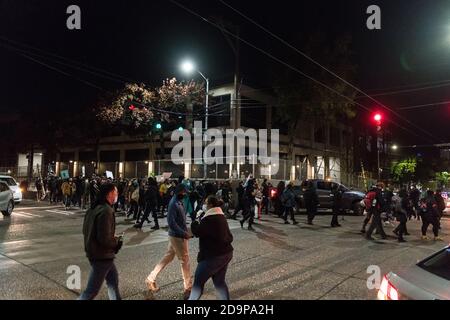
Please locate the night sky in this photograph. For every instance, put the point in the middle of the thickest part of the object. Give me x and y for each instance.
(144, 41)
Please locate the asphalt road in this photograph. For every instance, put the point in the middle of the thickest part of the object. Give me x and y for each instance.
(39, 242)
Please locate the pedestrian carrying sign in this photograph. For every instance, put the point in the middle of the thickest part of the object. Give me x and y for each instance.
(65, 174)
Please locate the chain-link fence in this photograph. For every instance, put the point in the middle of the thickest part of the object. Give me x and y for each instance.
(283, 170)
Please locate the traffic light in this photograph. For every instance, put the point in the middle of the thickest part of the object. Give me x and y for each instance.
(180, 128)
(131, 107)
(158, 126)
(377, 117)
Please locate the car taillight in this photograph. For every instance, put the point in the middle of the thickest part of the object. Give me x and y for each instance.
(387, 291)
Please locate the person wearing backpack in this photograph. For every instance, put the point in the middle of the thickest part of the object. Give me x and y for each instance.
(368, 200)
(376, 208)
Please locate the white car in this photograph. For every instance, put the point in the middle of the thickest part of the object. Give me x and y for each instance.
(6, 199)
(427, 280)
(14, 186)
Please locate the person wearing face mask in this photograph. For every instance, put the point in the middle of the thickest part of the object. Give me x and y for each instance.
(178, 243)
(101, 244)
(215, 251)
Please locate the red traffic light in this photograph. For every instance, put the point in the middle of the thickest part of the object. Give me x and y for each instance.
(377, 117)
(131, 107)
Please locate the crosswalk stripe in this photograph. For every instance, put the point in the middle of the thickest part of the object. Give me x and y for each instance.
(59, 212)
(33, 208)
(26, 215)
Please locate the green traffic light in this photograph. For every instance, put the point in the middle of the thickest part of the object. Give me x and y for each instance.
(158, 126)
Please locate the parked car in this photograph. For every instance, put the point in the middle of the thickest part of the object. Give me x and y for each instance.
(6, 199)
(427, 280)
(350, 198)
(14, 186)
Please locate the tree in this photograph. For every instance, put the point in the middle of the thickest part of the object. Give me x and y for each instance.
(404, 170)
(443, 178)
(137, 109)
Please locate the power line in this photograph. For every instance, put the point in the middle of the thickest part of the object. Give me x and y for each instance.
(324, 68)
(62, 72)
(285, 64)
(66, 59)
(424, 105)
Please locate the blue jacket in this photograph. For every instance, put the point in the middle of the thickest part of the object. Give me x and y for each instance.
(176, 219)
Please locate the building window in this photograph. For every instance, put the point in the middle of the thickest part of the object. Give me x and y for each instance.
(137, 155)
(110, 156)
(319, 134)
(335, 137)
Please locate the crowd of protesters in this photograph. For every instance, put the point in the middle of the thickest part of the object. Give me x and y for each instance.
(208, 204)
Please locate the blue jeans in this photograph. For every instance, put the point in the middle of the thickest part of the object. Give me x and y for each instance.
(101, 270)
(215, 268)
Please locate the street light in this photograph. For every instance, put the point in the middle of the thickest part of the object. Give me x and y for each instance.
(188, 67)
(394, 147)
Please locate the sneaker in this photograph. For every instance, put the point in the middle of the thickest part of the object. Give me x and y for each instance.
(407, 234)
(438, 239)
(137, 226)
(155, 228)
(425, 238)
(151, 285)
(362, 231)
(186, 294)
(286, 222)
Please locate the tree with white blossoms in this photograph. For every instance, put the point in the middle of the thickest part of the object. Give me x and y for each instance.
(136, 109)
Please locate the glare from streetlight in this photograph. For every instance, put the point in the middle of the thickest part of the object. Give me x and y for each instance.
(187, 67)
(394, 147)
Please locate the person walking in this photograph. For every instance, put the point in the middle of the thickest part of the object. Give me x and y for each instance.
(289, 204)
(376, 208)
(368, 202)
(249, 203)
(440, 202)
(216, 250)
(311, 201)
(279, 209)
(178, 243)
(151, 202)
(68, 189)
(337, 205)
(266, 196)
(240, 200)
(101, 245)
(400, 206)
(429, 215)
